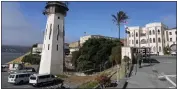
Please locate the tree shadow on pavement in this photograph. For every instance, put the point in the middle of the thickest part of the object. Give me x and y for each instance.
(151, 60)
(58, 81)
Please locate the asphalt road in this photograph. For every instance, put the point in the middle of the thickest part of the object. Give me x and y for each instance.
(147, 76)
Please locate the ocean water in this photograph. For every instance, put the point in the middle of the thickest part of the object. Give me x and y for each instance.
(6, 56)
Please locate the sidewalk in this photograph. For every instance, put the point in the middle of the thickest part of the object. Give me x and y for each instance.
(145, 78)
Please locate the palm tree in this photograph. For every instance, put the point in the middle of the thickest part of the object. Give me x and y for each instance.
(119, 18)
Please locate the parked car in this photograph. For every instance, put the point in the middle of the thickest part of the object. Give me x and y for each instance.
(18, 78)
(41, 79)
(25, 70)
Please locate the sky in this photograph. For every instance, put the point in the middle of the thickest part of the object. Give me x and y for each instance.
(23, 22)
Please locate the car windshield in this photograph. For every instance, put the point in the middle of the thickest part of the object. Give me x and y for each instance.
(11, 76)
(33, 78)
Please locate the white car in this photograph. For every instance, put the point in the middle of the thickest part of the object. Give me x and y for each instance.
(18, 78)
(41, 79)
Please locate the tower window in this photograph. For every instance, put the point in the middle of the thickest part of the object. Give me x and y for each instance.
(58, 17)
(50, 31)
(48, 46)
(57, 47)
(58, 32)
(63, 30)
(170, 33)
(46, 32)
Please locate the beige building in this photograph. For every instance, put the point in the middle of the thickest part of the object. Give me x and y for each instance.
(85, 38)
(74, 46)
(154, 35)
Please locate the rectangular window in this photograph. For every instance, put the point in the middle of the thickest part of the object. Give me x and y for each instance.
(50, 31)
(48, 46)
(63, 30)
(153, 40)
(170, 33)
(159, 40)
(46, 32)
(58, 32)
(136, 41)
(170, 39)
(57, 47)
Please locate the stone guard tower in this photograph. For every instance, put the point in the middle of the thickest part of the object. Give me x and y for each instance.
(53, 44)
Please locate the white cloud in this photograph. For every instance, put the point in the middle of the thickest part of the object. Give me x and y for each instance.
(15, 28)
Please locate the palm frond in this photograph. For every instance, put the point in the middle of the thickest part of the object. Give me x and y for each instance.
(114, 17)
(114, 21)
(122, 16)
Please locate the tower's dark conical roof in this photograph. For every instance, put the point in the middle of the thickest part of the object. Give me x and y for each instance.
(57, 3)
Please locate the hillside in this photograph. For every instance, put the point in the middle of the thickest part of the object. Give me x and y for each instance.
(14, 49)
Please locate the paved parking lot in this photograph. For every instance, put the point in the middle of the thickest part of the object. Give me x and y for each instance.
(147, 76)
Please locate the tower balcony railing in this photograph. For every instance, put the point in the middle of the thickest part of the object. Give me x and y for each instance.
(61, 3)
(45, 11)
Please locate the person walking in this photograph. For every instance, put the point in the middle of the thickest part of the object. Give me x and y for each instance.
(135, 61)
(139, 59)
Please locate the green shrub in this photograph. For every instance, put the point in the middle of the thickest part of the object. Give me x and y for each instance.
(32, 59)
(94, 54)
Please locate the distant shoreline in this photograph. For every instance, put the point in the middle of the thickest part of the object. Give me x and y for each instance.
(7, 57)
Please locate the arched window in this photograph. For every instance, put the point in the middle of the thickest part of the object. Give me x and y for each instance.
(153, 32)
(136, 41)
(160, 49)
(159, 40)
(143, 41)
(136, 34)
(176, 32)
(150, 40)
(158, 31)
(153, 40)
(150, 32)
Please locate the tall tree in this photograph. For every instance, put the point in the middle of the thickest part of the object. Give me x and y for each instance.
(119, 18)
